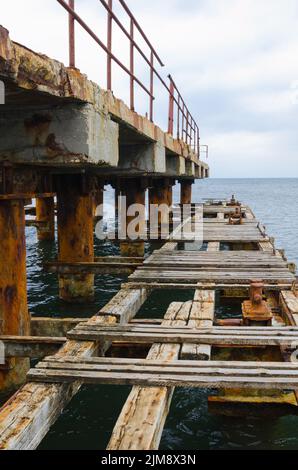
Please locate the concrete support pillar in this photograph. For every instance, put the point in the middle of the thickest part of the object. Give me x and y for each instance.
(186, 191)
(45, 212)
(135, 192)
(75, 209)
(14, 314)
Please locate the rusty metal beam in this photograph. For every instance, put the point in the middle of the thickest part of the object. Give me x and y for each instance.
(75, 209)
(14, 314)
(135, 193)
(186, 191)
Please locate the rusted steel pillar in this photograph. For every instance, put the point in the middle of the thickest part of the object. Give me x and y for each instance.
(170, 194)
(14, 314)
(98, 196)
(45, 212)
(75, 209)
(135, 191)
(161, 194)
(186, 191)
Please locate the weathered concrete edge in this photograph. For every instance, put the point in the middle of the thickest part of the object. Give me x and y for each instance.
(33, 71)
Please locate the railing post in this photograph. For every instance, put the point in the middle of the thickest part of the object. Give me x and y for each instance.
(171, 107)
(151, 85)
(195, 138)
(187, 125)
(109, 45)
(132, 97)
(183, 120)
(72, 58)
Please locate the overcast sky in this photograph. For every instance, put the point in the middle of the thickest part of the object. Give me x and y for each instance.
(235, 61)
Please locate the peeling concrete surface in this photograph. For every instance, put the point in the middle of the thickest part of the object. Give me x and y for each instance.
(59, 135)
(36, 81)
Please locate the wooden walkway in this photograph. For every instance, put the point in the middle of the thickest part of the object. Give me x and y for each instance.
(179, 347)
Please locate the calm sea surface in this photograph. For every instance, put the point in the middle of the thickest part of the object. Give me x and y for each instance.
(88, 421)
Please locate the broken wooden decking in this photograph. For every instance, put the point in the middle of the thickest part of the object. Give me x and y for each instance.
(202, 374)
(186, 332)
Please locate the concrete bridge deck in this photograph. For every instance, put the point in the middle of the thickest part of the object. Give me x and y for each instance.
(61, 118)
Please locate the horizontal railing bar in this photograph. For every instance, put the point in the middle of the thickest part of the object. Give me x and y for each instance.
(141, 31)
(127, 34)
(102, 45)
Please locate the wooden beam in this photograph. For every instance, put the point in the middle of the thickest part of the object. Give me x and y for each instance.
(33, 347)
(201, 315)
(53, 327)
(96, 268)
(219, 336)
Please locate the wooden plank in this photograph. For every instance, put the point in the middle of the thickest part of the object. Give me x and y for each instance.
(123, 305)
(96, 268)
(156, 364)
(266, 246)
(54, 327)
(289, 305)
(213, 247)
(229, 338)
(170, 246)
(31, 346)
(140, 424)
(198, 314)
(28, 416)
(201, 315)
(217, 277)
(205, 377)
(273, 286)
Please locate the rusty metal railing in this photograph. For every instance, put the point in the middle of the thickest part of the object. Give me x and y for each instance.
(179, 115)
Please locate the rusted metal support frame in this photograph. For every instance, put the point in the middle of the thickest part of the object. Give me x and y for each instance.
(14, 314)
(75, 210)
(45, 215)
(186, 191)
(160, 193)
